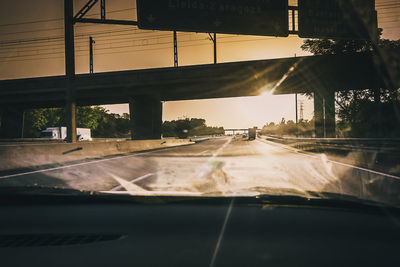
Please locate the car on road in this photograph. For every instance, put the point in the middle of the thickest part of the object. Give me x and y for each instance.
(60, 133)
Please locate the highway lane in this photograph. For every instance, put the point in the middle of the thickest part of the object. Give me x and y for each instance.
(220, 166)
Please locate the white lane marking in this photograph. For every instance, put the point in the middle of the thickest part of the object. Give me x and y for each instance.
(221, 234)
(216, 153)
(300, 152)
(75, 165)
(124, 184)
(202, 152)
(366, 170)
(206, 168)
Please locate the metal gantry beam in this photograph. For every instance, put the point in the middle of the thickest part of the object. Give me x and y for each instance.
(79, 17)
(85, 9)
(107, 21)
(70, 70)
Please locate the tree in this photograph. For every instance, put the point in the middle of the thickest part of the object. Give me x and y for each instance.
(304, 128)
(34, 122)
(360, 112)
(186, 127)
(102, 123)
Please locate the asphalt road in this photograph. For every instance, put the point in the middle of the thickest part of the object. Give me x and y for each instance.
(220, 166)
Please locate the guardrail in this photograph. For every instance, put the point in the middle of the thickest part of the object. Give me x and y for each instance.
(55, 141)
(381, 154)
(385, 145)
(199, 139)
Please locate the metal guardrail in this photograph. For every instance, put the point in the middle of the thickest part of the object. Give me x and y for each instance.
(30, 140)
(385, 145)
(48, 140)
(199, 139)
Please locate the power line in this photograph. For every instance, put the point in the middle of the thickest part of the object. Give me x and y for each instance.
(57, 19)
(83, 43)
(136, 45)
(55, 43)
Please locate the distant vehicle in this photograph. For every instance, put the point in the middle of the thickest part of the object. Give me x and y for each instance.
(54, 133)
(82, 134)
(252, 133)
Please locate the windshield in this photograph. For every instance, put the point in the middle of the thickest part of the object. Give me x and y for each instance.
(202, 98)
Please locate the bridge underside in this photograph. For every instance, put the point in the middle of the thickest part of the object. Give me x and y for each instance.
(314, 74)
(304, 74)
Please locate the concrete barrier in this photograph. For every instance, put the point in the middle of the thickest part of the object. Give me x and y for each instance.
(16, 156)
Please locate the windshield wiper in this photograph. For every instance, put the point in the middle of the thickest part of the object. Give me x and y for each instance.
(53, 195)
(323, 200)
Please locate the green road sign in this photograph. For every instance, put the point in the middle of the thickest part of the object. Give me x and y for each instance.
(251, 17)
(337, 19)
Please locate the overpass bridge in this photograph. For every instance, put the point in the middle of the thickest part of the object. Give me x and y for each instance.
(145, 89)
(240, 130)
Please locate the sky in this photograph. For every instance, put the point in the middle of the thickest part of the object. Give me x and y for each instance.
(31, 45)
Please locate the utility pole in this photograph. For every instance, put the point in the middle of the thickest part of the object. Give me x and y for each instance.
(297, 120)
(295, 95)
(297, 117)
(103, 9)
(91, 42)
(214, 40)
(23, 124)
(324, 114)
(301, 111)
(378, 107)
(70, 107)
(215, 48)
(175, 50)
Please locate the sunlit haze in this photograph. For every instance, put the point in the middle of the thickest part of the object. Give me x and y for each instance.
(126, 48)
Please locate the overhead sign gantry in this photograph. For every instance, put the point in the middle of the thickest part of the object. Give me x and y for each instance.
(336, 19)
(251, 17)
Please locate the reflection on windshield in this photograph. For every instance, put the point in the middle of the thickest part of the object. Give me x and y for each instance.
(219, 166)
(168, 110)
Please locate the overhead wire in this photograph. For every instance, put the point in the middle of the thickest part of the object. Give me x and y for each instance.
(56, 43)
(112, 46)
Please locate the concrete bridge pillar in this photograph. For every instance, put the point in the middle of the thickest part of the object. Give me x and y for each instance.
(378, 108)
(319, 115)
(11, 122)
(330, 124)
(324, 114)
(146, 118)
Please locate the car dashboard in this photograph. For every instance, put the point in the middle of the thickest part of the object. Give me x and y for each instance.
(96, 231)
